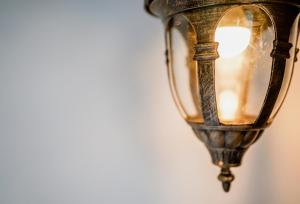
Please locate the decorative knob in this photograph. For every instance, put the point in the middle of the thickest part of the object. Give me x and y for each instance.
(226, 177)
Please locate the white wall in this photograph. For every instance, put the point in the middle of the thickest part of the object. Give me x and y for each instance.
(86, 116)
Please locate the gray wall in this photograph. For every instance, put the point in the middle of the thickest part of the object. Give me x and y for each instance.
(86, 116)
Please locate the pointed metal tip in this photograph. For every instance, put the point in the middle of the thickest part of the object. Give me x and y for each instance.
(226, 186)
(226, 178)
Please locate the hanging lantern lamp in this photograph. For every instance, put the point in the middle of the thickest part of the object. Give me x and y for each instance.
(230, 63)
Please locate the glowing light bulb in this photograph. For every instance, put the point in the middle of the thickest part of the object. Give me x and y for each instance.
(228, 104)
(233, 40)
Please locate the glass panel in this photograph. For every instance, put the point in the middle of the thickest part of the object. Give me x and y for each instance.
(245, 35)
(289, 68)
(182, 69)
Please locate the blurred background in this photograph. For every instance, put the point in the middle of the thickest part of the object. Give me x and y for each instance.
(86, 116)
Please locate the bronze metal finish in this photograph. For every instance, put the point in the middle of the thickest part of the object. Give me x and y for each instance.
(228, 143)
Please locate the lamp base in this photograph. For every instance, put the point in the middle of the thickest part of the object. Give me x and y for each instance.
(227, 147)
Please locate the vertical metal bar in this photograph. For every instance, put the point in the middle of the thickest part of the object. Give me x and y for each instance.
(206, 54)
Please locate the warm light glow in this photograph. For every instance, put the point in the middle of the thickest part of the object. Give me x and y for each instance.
(233, 40)
(228, 105)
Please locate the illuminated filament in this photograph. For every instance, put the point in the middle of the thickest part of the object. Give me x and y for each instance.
(228, 105)
(233, 40)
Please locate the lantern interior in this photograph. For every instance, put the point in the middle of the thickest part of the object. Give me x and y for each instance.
(245, 36)
(182, 69)
(242, 73)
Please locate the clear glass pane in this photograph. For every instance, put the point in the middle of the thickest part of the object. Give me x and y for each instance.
(245, 35)
(289, 68)
(182, 69)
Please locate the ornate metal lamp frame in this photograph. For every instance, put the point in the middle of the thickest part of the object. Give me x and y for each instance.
(228, 143)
